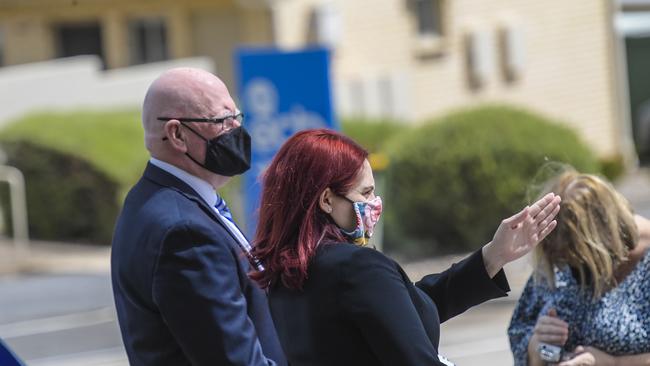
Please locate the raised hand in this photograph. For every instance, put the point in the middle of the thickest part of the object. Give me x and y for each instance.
(520, 233)
(548, 329)
(551, 329)
(589, 356)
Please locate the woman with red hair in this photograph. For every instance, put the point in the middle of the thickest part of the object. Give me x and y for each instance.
(335, 301)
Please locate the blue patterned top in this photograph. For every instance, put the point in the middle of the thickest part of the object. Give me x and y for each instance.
(617, 323)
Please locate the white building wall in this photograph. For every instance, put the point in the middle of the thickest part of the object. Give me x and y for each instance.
(79, 82)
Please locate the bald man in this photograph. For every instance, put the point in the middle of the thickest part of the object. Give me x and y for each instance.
(179, 262)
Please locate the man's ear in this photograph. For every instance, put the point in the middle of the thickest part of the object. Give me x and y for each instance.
(174, 135)
(325, 200)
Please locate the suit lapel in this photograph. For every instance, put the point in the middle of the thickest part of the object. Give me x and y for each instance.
(163, 178)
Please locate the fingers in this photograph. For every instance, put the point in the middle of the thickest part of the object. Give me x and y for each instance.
(536, 207)
(551, 320)
(541, 225)
(547, 230)
(582, 358)
(555, 339)
(553, 330)
(537, 236)
(543, 222)
(558, 339)
(516, 219)
(537, 217)
(552, 312)
(548, 211)
(576, 361)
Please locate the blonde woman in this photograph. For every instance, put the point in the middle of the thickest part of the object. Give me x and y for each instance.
(589, 292)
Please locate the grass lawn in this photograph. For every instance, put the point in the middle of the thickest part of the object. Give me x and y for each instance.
(112, 141)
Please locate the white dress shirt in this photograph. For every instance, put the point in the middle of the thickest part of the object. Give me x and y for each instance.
(207, 193)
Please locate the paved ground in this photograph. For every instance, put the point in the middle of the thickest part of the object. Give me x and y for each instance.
(64, 315)
(56, 307)
(61, 319)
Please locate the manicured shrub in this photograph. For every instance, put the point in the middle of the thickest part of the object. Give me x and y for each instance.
(68, 199)
(612, 167)
(78, 167)
(452, 180)
(372, 134)
(111, 141)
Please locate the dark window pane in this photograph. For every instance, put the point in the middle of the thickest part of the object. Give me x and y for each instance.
(428, 16)
(79, 39)
(148, 41)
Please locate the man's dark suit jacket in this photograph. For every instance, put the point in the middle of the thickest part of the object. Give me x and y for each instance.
(180, 282)
(359, 308)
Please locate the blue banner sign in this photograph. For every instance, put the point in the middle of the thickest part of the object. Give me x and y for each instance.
(281, 93)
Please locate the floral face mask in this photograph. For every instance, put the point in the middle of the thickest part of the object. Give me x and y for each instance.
(367, 214)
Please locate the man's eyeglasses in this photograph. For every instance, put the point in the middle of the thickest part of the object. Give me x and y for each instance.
(226, 123)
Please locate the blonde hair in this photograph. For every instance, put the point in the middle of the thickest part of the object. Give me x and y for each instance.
(594, 234)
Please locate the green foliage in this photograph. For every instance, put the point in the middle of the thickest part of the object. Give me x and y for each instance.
(371, 134)
(112, 142)
(452, 180)
(78, 168)
(612, 167)
(68, 199)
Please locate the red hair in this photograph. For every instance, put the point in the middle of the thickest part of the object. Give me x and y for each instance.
(291, 223)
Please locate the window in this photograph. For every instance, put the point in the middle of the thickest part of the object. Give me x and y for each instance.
(479, 55)
(512, 52)
(325, 25)
(148, 40)
(429, 17)
(74, 39)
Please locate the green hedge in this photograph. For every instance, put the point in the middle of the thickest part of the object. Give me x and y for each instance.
(68, 199)
(449, 181)
(612, 167)
(452, 180)
(111, 141)
(372, 134)
(78, 167)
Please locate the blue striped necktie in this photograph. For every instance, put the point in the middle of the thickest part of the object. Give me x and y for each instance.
(223, 209)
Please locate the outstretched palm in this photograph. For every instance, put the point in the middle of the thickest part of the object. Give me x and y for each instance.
(520, 233)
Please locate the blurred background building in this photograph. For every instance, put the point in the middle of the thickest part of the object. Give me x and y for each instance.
(402, 59)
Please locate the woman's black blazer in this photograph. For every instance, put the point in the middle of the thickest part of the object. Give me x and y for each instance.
(358, 307)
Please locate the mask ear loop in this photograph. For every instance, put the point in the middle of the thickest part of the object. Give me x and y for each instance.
(191, 129)
(196, 133)
(187, 154)
(359, 228)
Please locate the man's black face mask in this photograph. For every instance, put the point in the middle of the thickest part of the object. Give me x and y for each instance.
(227, 154)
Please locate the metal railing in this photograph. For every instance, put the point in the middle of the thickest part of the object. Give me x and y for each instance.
(18, 205)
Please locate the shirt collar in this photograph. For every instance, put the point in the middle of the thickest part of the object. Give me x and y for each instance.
(203, 188)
